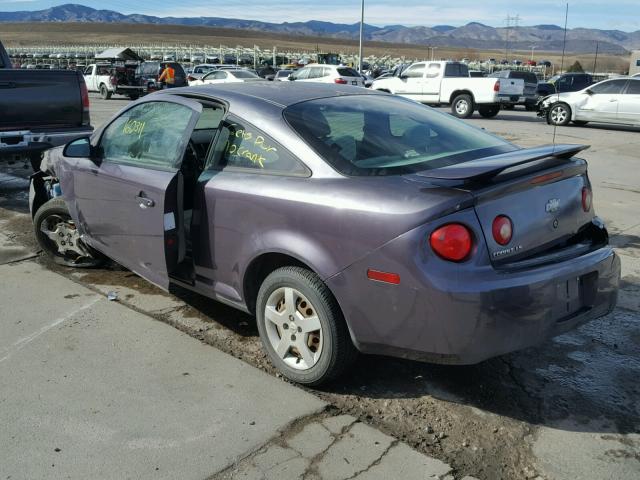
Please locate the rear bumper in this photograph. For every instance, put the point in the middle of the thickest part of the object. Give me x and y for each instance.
(511, 99)
(27, 142)
(464, 316)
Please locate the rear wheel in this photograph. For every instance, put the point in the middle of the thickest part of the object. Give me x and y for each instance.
(490, 111)
(302, 328)
(58, 236)
(104, 92)
(559, 114)
(462, 106)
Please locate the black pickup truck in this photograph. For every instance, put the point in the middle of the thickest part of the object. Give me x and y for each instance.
(40, 109)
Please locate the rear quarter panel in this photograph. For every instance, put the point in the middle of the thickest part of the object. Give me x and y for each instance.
(325, 223)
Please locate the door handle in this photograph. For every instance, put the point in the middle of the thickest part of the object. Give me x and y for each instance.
(144, 202)
(613, 100)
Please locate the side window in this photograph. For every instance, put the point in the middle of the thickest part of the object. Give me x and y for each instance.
(611, 88)
(302, 74)
(315, 72)
(243, 146)
(433, 70)
(150, 135)
(88, 70)
(414, 71)
(633, 88)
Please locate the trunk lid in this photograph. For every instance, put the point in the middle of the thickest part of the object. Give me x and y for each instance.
(539, 190)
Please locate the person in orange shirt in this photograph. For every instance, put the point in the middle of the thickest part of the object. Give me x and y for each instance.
(168, 76)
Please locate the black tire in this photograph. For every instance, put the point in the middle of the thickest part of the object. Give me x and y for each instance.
(104, 92)
(57, 208)
(580, 123)
(490, 111)
(559, 114)
(134, 97)
(462, 106)
(338, 352)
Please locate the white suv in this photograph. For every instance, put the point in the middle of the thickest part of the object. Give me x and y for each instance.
(328, 74)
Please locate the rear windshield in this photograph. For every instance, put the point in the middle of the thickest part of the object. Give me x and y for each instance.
(347, 72)
(363, 135)
(244, 74)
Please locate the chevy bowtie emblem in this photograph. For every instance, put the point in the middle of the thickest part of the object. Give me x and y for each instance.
(552, 205)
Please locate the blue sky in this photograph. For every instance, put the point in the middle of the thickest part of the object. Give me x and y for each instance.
(613, 14)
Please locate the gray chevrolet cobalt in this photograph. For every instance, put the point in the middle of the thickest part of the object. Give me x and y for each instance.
(345, 220)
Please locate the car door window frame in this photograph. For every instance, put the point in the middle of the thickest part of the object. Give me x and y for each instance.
(184, 101)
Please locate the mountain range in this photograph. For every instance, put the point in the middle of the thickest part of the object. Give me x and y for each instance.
(472, 35)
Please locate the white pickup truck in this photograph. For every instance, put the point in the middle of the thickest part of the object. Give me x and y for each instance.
(108, 79)
(449, 83)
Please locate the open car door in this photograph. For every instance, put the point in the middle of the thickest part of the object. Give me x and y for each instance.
(128, 202)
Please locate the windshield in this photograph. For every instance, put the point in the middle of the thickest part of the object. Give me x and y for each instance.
(383, 135)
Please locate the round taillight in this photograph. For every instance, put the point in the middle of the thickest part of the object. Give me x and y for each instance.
(502, 229)
(587, 198)
(451, 242)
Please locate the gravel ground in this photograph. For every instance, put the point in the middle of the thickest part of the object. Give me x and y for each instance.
(485, 420)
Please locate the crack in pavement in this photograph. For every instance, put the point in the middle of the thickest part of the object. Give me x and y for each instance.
(316, 459)
(375, 462)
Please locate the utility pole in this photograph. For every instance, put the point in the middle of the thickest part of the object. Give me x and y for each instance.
(595, 60)
(361, 36)
(516, 20)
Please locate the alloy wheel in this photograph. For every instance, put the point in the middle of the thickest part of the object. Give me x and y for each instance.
(293, 328)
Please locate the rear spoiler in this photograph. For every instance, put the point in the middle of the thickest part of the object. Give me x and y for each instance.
(487, 168)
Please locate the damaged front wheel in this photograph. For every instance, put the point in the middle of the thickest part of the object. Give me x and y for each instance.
(58, 236)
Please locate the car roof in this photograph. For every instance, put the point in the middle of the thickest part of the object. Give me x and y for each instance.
(280, 94)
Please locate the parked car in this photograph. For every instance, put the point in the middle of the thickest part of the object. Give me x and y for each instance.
(529, 97)
(148, 73)
(345, 219)
(610, 101)
(227, 76)
(565, 82)
(108, 79)
(449, 83)
(40, 109)
(201, 70)
(328, 74)
(282, 75)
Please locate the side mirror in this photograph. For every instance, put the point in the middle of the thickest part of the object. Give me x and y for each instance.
(588, 91)
(82, 148)
(291, 78)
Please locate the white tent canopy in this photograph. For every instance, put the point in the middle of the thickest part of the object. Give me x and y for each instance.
(124, 54)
